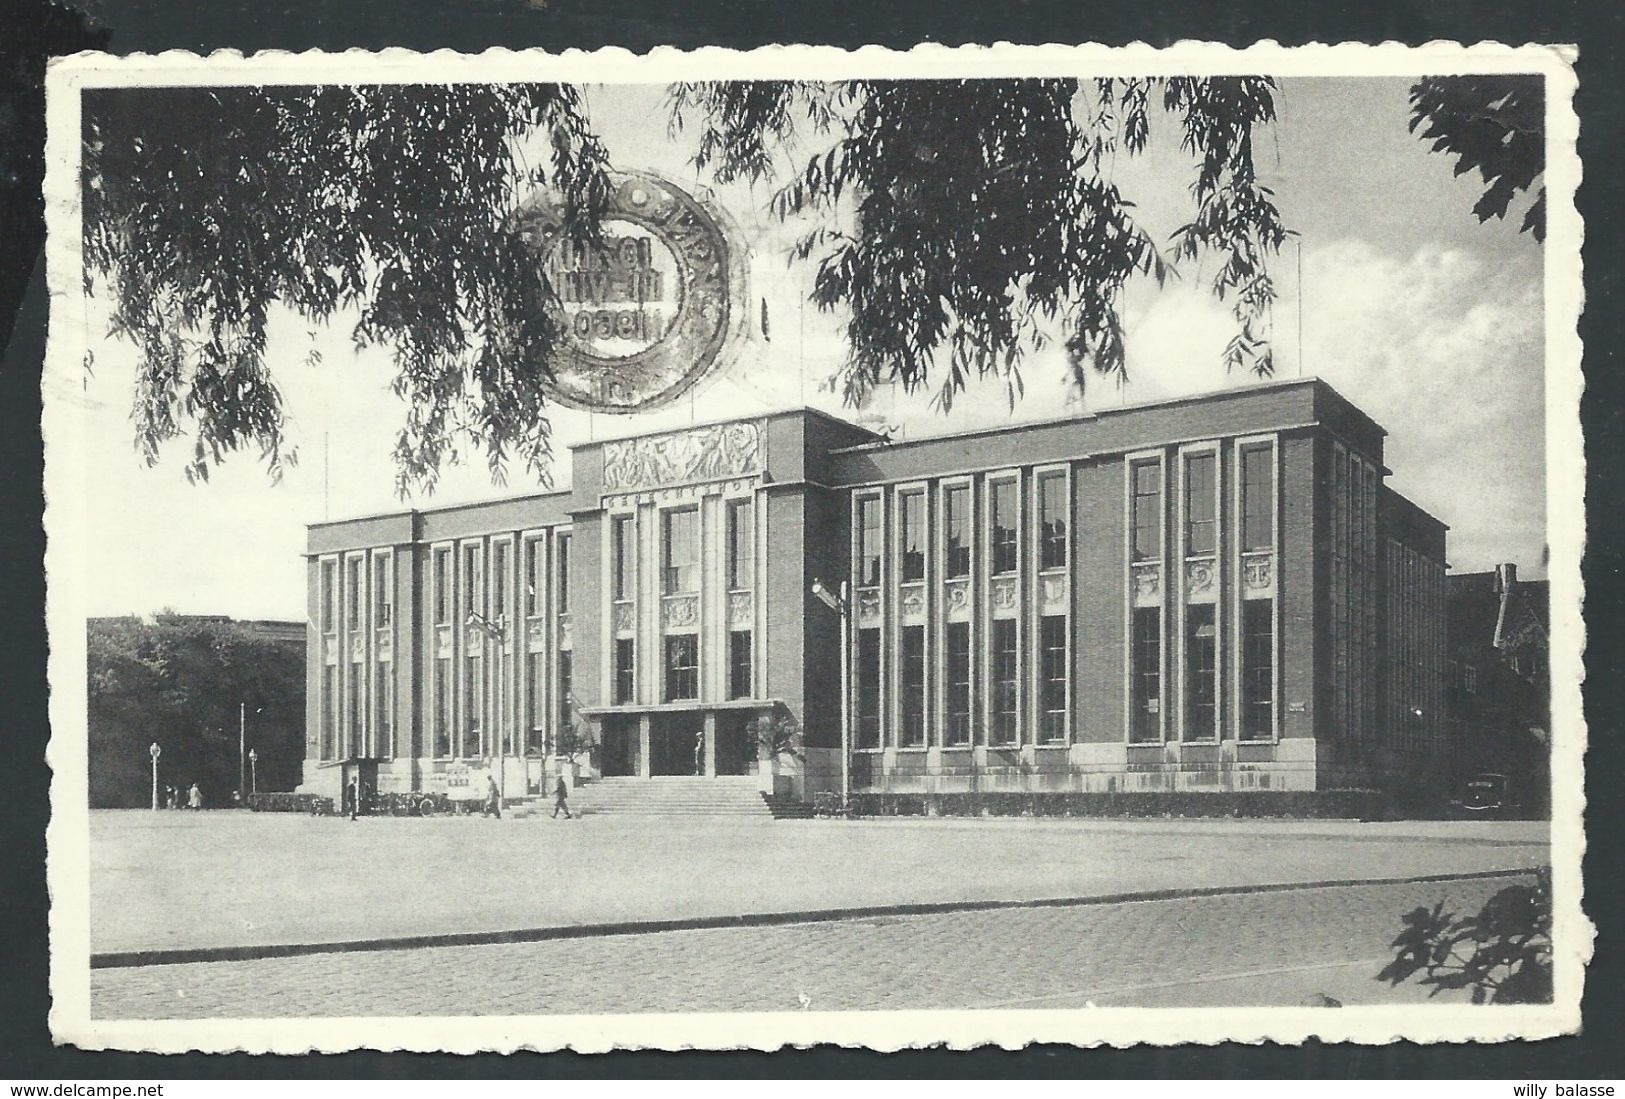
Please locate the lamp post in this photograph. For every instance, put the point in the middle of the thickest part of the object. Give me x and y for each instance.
(490, 631)
(155, 752)
(253, 773)
(837, 601)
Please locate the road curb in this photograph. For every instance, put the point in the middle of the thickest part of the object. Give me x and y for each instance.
(131, 959)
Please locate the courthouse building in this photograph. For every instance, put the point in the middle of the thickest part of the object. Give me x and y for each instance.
(1207, 595)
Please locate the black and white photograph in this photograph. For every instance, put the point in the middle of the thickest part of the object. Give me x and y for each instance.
(733, 549)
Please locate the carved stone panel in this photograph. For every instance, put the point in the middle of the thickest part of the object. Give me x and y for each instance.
(957, 597)
(330, 650)
(442, 641)
(1052, 592)
(566, 632)
(625, 616)
(912, 604)
(1258, 575)
(1201, 581)
(535, 635)
(358, 648)
(1147, 581)
(740, 609)
(384, 646)
(680, 613)
(1006, 596)
(699, 454)
(869, 607)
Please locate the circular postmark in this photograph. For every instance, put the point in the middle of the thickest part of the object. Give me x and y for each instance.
(647, 311)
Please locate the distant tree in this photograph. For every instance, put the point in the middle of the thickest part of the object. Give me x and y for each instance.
(178, 681)
(1495, 125)
(976, 212)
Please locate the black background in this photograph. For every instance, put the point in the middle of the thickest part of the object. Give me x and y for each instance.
(31, 29)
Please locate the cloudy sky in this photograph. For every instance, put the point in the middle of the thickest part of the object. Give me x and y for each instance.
(1426, 319)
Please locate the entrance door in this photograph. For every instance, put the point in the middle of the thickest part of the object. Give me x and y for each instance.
(620, 747)
(677, 745)
(736, 745)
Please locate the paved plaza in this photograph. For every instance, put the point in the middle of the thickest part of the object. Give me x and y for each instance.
(181, 881)
(191, 881)
(1236, 950)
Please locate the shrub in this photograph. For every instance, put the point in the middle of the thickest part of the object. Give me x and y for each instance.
(314, 804)
(1504, 953)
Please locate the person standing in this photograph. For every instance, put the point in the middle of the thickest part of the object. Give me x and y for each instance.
(561, 793)
(493, 799)
(194, 797)
(355, 796)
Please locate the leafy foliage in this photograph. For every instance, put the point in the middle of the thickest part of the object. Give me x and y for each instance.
(1494, 125)
(1503, 953)
(576, 741)
(778, 736)
(178, 681)
(980, 216)
(982, 209)
(203, 206)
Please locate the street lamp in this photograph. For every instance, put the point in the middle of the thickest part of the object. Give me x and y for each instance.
(155, 752)
(837, 601)
(253, 773)
(491, 631)
(242, 741)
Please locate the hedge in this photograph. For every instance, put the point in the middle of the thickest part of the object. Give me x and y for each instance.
(314, 804)
(1363, 804)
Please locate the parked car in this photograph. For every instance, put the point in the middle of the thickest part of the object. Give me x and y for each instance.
(1484, 795)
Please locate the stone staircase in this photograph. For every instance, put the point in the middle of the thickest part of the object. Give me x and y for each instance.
(667, 797)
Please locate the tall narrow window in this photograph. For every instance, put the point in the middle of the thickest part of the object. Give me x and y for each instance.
(561, 565)
(912, 687)
(625, 554)
(1257, 499)
(442, 586)
(473, 702)
(330, 680)
(472, 588)
(533, 578)
(868, 687)
(442, 707)
(956, 521)
(1145, 676)
(1199, 501)
(1052, 524)
(1004, 681)
(912, 535)
(383, 591)
(1005, 506)
(500, 563)
(957, 695)
(741, 545)
(870, 543)
(1147, 511)
(1257, 669)
(739, 664)
(353, 588)
(384, 709)
(536, 711)
(566, 696)
(682, 667)
(1201, 654)
(1052, 678)
(681, 551)
(624, 670)
(330, 583)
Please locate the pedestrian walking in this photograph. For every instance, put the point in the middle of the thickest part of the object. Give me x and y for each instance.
(355, 796)
(493, 799)
(561, 793)
(194, 797)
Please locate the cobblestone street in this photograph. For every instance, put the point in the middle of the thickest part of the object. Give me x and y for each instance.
(1236, 950)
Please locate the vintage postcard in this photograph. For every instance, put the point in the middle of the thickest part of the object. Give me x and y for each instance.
(728, 550)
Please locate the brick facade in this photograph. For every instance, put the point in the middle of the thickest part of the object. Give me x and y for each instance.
(1198, 595)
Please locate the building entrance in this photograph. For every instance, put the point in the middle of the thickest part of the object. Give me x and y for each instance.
(736, 744)
(677, 745)
(620, 748)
